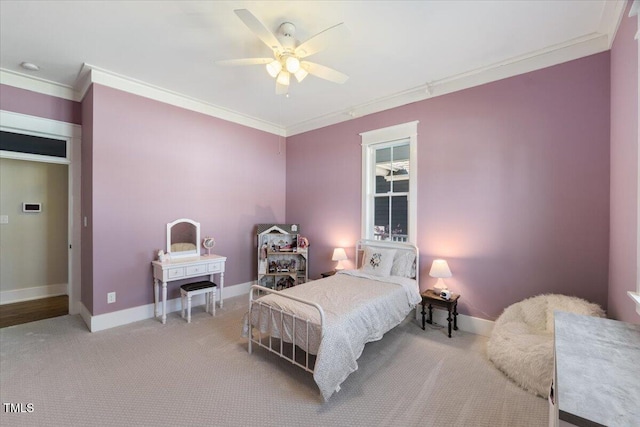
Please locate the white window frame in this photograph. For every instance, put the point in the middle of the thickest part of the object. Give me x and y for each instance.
(373, 140)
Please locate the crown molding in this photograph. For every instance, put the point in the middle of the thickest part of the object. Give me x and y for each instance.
(39, 126)
(574, 49)
(635, 11)
(554, 55)
(594, 43)
(91, 74)
(35, 84)
(612, 13)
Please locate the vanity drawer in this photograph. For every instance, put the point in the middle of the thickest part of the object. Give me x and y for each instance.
(214, 268)
(175, 272)
(196, 269)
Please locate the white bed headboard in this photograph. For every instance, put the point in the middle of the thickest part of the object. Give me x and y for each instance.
(386, 244)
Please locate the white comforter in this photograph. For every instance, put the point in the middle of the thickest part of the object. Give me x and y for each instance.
(358, 308)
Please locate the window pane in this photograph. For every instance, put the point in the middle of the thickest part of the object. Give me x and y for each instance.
(382, 185)
(30, 144)
(383, 168)
(392, 169)
(399, 218)
(400, 168)
(401, 153)
(381, 218)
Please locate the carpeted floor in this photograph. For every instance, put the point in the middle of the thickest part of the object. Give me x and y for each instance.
(149, 374)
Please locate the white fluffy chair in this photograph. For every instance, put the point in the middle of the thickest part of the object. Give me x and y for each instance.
(521, 343)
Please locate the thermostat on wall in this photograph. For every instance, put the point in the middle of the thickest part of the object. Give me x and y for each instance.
(32, 207)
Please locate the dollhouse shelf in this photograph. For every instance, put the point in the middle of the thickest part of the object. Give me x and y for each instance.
(282, 263)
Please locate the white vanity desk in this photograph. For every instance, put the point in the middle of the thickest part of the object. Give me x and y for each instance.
(185, 268)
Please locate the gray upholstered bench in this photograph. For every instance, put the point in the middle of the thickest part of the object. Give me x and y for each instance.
(190, 289)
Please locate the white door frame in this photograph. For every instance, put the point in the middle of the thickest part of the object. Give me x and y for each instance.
(71, 133)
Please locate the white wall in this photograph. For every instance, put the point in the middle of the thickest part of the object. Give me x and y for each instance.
(33, 246)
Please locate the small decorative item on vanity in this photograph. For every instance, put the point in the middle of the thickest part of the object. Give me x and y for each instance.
(440, 269)
(208, 243)
(162, 257)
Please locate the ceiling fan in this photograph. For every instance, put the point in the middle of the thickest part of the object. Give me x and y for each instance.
(288, 54)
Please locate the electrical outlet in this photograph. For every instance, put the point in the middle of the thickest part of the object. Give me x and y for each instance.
(111, 297)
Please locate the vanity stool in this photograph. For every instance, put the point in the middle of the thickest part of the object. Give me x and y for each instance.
(189, 290)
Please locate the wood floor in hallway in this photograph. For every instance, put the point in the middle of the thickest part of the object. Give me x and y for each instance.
(30, 311)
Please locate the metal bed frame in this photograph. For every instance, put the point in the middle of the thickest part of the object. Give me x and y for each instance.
(279, 349)
(267, 342)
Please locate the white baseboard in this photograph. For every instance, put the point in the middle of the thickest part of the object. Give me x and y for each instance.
(143, 312)
(36, 292)
(466, 323)
(101, 322)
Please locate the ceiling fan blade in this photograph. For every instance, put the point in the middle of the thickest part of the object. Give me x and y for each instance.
(259, 29)
(245, 61)
(281, 89)
(324, 72)
(320, 41)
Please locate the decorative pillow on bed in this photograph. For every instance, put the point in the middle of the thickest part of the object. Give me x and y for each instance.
(378, 261)
(404, 264)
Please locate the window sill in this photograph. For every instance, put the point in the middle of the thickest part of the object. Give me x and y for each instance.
(636, 298)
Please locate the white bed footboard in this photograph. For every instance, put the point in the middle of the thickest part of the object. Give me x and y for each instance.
(285, 327)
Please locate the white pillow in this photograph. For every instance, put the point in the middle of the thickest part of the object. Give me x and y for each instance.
(377, 261)
(404, 264)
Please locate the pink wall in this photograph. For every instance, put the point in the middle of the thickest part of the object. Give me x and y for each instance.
(513, 175)
(36, 104)
(513, 186)
(623, 260)
(154, 163)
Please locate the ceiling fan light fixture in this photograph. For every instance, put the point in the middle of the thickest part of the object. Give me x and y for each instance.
(288, 52)
(301, 74)
(283, 78)
(292, 64)
(274, 67)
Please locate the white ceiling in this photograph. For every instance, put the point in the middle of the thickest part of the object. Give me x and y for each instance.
(397, 51)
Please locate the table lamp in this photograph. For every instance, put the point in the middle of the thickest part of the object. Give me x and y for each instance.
(440, 270)
(339, 255)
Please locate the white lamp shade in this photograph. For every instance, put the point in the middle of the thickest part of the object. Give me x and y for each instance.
(339, 255)
(301, 74)
(440, 269)
(273, 68)
(292, 64)
(283, 78)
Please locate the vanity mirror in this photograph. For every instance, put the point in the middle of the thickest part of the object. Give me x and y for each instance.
(183, 237)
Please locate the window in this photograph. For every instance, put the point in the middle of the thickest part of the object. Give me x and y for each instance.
(389, 184)
(30, 144)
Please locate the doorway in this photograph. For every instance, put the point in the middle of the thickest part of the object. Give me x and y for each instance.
(33, 236)
(65, 280)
